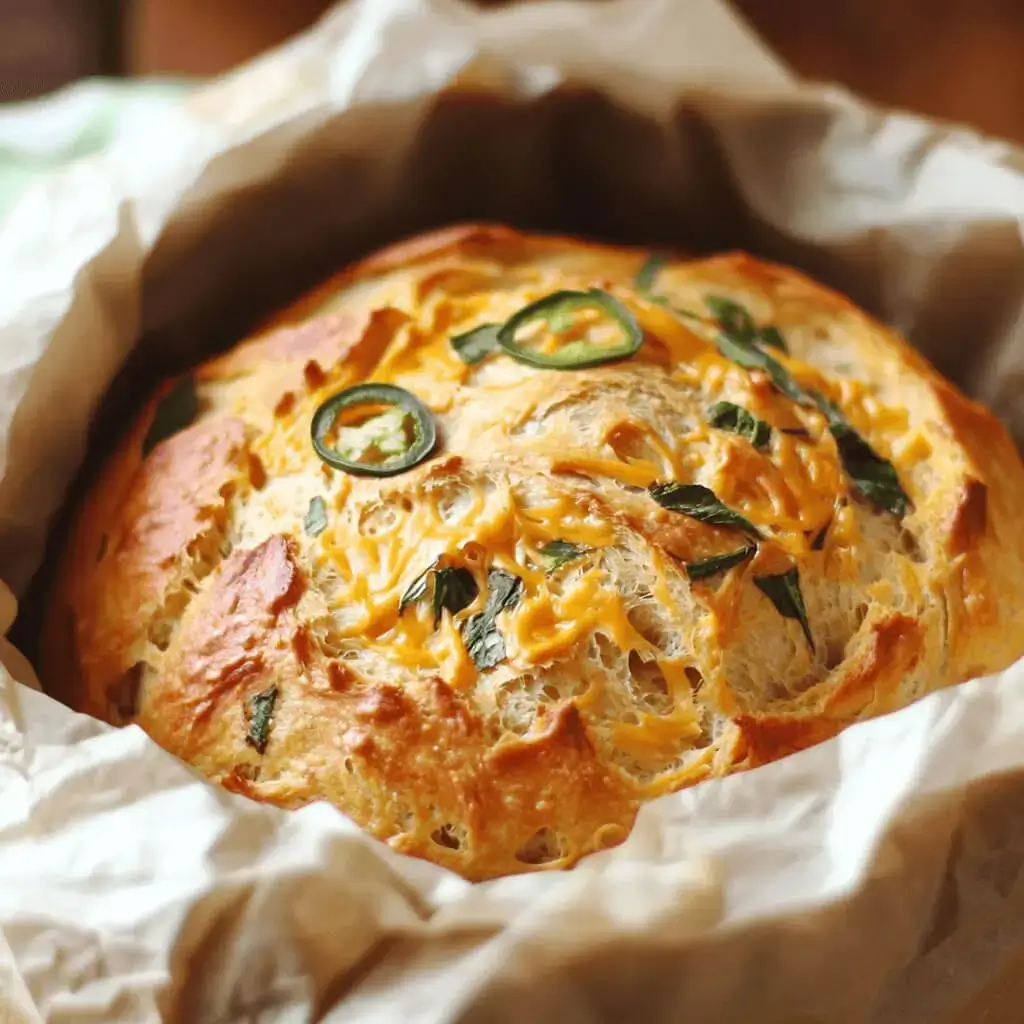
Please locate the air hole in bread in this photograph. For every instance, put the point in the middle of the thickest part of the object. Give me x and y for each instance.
(378, 519)
(645, 619)
(162, 628)
(648, 685)
(454, 501)
(451, 837)
(629, 442)
(695, 677)
(550, 693)
(910, 546)
(123, 695)
(543, 847)
(860, 613)
(835, 652)
(608, 654)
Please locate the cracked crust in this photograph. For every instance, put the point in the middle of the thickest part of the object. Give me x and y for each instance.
(192, 601)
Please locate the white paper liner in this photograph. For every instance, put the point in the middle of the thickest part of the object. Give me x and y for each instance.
(876, 877)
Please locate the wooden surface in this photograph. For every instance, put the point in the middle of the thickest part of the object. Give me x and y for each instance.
(203, 37)
(961, 60)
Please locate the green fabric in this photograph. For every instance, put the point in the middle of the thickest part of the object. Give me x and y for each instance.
(40, 135)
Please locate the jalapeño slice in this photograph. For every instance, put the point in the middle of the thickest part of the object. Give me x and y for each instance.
(557, 310)
(397, 433)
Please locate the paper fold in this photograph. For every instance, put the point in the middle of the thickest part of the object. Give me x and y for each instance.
(876, 877)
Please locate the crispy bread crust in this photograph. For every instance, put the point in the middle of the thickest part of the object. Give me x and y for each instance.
(190, 585)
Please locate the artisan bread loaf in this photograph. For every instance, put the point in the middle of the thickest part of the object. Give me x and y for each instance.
(494, 537)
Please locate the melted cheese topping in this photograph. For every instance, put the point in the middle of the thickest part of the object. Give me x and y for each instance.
(531, 456)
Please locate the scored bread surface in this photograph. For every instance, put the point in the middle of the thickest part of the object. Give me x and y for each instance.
(191, 585)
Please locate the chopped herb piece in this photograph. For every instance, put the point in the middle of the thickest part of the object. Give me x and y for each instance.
(454, 589)
(557, 552)
(175, 411)
(871, 475)
(316, 517)
(772, 337)
(472, 346)
(708, 567)
(261, 710)
(728, 416)
(819, 539)
(750, 357)
(733, 318)
(660, 300)
(784, 592)
(384, 444)
(679, 310)
(699, 502)
(739, 342)
(480, 633)
(738, 324)
(644, 283)
(417, 588)
(801, 432)
(648, 272)
(556, 310)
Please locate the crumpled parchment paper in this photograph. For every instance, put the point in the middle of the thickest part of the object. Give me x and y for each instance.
(874, 878)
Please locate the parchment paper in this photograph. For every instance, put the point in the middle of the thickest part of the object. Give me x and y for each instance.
(874, 878)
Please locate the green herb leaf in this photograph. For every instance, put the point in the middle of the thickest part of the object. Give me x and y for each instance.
(416, 589)
(699, 502)
(738, 342)
(472, 346)
(728, 416)
(480, 634)
(175, 411)
(708, 567)
(454, 589)
(557, 552)
(261, 710)
(734, 319)
(750, 357)
(784, 592)
(772, 336)
(557, 311)
(644, 281)
(316, 517)
(871, 475)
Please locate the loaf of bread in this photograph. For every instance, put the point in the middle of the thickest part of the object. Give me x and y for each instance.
(494, 537)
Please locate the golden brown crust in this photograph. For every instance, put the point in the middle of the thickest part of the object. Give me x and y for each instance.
(284, 666)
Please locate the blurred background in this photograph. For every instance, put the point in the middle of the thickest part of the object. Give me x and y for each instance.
(961, 60)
